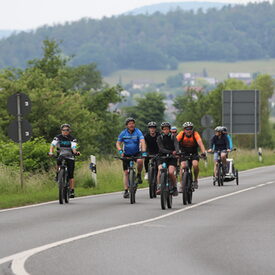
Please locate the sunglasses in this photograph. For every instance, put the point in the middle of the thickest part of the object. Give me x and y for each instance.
(189, 128)
(173, 132)
(65, 130)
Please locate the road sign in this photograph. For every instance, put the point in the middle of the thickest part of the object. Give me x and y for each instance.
(207, 121)
(207, 135)
(241, 111)
(26, 130)
(23, 101)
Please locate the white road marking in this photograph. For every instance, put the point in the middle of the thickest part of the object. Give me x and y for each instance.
(19, 259)
(109, 194)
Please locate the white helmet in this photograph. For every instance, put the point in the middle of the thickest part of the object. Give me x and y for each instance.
(187, 124)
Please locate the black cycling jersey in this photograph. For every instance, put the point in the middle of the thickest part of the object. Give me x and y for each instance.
(220, 143)
(64, 145)
(151, 143)
(167, 143)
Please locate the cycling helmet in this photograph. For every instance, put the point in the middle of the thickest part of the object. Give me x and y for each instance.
(165, 124)
(219, 129)
(174, 128)
(224, 129)
(152, 124)
(129, 119)
(187, 124)
(65, 125)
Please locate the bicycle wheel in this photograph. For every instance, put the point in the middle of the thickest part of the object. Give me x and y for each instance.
(132, 186)
(151, 182)
(184, 187)
(163, 191)
(189, 190)
(169, 197)
(219, 175)
(222, 176)
(61, 185)
(237, 176)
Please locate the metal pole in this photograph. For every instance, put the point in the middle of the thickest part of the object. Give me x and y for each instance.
(256, 141)
(231, 112)
(19, 120)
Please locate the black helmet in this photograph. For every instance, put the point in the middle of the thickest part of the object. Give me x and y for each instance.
(65, 125)
(165, 124)
(127, 120)
(224, 129)
(152, 124)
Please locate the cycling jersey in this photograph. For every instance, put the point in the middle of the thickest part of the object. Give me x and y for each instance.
(131, 141)
(151, 143)
(230, 141)
(219, 143)
(189, 144)
(64, 145)
(167, 143)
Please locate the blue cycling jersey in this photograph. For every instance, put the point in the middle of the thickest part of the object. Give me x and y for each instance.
(131, 141)
(230, 142)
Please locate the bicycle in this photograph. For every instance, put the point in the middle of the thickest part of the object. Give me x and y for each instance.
(152, 176)
(132, 183)
(187, 179)
(220, 171)
(166, 186)
(63, 181)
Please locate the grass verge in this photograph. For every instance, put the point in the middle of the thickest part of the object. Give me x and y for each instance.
(40, 187)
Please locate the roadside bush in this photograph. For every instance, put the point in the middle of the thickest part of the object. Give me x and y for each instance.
(34, 154)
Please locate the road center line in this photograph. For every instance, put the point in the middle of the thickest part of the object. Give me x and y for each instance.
(19, 259)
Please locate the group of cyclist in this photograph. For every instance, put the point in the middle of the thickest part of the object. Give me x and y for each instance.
(132, 142)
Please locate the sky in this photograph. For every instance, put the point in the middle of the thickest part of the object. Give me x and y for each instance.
(30, 14)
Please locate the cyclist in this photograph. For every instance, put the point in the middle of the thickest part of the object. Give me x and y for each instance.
(189, 141)
(66, 146)
(168, 144)
(174, 130)
(228, 137)
(151, 144)
(132, 138)
(219, 142)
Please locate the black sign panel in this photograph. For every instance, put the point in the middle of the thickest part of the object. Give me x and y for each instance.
(25, 104)
(26, 130)
(241, 111)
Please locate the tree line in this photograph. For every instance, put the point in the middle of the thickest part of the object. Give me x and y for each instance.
(77, 95)
(158, 41)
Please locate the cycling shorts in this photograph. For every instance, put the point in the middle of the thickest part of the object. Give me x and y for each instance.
(216, 155)
(126, 162)
(70, 165)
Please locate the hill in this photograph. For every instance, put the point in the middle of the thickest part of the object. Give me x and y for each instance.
(154, 42)
(5, 33)
(172, 6)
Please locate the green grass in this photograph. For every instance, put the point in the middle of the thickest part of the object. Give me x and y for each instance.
(41, 188)
(219, 70)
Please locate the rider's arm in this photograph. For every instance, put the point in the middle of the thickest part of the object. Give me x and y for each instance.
(119, 145)
(176, 144)
(74, 146)
(199, 141)
(230, 142)
(143, 145)
(53, 145)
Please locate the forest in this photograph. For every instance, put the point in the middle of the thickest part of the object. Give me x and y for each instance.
(157, 41)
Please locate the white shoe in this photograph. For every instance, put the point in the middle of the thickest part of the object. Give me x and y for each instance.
(146, 176)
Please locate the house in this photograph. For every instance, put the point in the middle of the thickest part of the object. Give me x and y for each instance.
(245, 77)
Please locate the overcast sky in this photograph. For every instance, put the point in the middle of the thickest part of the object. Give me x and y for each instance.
(30, 14)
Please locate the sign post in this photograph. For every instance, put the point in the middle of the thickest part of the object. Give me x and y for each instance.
(93, 169)
(19, 130)
(241, 112)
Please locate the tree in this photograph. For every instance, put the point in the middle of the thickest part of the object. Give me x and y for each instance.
(149, 108)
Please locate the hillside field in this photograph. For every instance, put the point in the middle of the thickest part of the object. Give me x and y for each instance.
(219, 70)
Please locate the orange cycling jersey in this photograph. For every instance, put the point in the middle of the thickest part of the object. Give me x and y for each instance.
(186, 141)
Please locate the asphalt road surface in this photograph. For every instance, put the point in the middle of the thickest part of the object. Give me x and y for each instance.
(227, 230)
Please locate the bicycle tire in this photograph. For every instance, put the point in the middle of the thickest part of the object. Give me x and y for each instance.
(163, 191)
(169, 198)
(219, 175)
(132, 186)
(151, 182)
(184, 188)
(222, 175)
(237, 176)
(189, 190)
(61, 185)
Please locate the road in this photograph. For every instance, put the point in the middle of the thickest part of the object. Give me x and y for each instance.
(227, 230)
